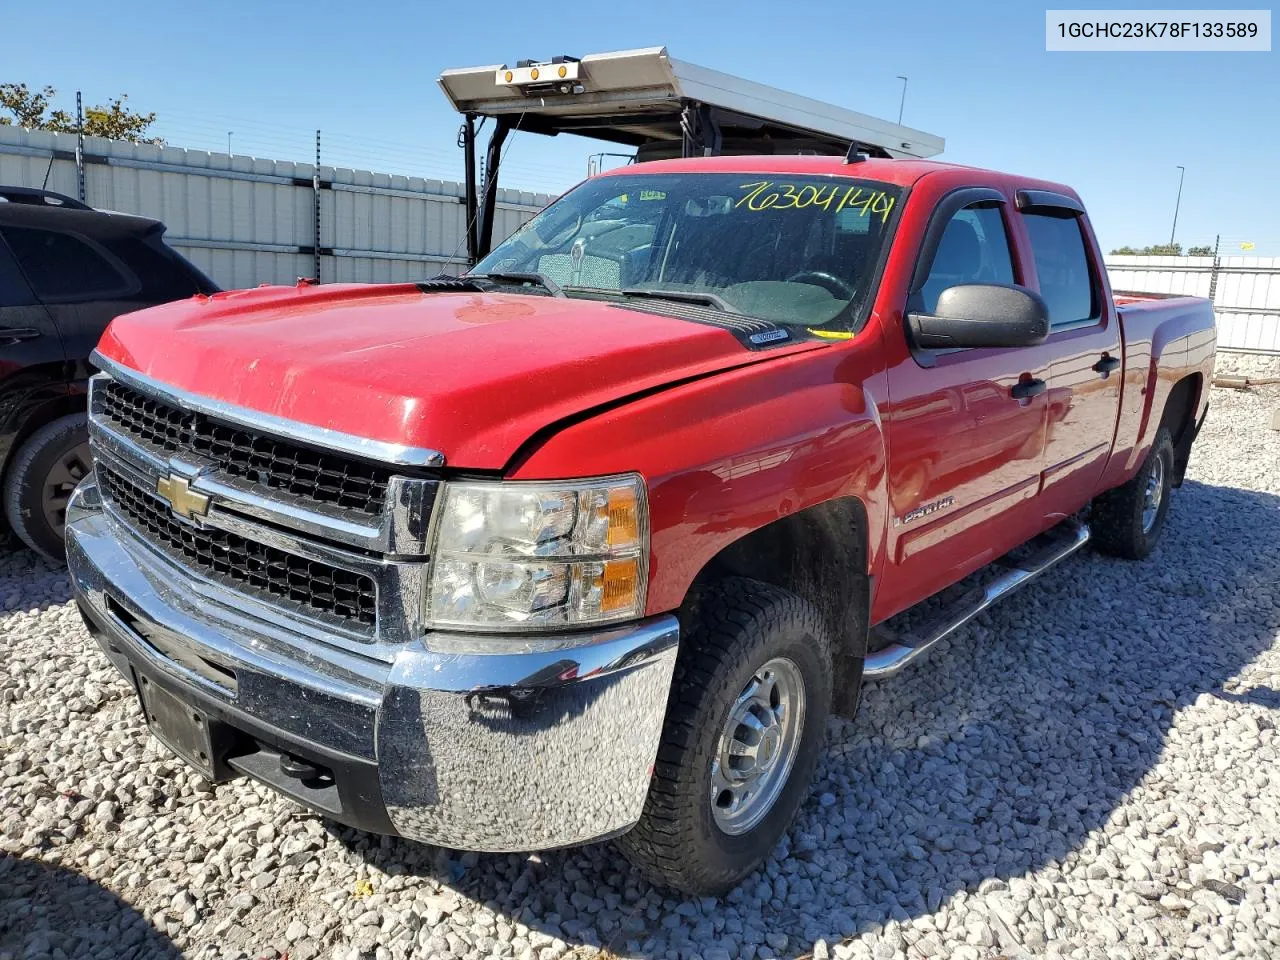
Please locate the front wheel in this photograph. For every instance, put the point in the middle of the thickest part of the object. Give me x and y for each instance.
(745, 725)
(1127, 521)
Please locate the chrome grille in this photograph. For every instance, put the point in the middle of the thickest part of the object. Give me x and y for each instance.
(312, 586)
(280, 465)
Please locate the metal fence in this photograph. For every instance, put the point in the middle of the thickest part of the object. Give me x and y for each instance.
(1245, 292)
(246, 221)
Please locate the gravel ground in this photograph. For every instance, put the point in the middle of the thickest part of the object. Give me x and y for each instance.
(1089, 770)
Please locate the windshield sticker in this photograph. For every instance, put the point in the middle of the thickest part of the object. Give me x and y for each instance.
(766, 195)
(652, 195)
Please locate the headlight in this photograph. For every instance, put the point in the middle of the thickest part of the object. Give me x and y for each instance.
(536, 556)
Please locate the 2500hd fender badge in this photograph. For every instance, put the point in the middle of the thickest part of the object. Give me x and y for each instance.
(925, 509)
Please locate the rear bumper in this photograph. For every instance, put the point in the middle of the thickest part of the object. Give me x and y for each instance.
(458, 740)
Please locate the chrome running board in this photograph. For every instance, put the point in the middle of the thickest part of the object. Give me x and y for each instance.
(891, 659)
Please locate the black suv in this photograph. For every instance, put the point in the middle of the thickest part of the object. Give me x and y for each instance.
(65, 271)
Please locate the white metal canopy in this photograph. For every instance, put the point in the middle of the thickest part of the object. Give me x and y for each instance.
(638, 96)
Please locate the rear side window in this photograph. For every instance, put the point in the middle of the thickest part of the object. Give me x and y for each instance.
(63, 267)
(163, 274)
(14, 291)
(974, 249)
(1066, 282)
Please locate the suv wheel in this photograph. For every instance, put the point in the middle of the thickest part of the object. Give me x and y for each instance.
(43, 473)
(745, 724)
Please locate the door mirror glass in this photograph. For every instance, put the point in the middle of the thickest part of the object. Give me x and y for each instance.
(981, 315)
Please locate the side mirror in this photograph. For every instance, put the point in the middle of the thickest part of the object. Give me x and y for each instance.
(982, 315)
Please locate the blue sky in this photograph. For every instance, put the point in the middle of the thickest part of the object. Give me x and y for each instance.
(1115, 126)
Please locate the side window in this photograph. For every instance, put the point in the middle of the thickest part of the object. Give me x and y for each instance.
(163, 275)
(974, 249)
(14, 291)
(60, 266)
(1066, 282)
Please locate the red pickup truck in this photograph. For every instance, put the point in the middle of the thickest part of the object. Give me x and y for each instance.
(590, 541)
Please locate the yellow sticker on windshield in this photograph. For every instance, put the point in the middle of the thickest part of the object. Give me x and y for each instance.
(769, 195)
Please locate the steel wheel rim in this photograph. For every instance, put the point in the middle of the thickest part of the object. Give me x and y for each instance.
(758, 746)
(1154, 495)
(67, 471)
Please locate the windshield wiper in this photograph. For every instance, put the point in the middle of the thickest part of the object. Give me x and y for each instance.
(684, 296)
(540, 279)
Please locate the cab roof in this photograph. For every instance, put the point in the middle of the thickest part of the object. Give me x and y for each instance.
(902, 173)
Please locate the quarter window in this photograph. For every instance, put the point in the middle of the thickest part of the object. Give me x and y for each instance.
(162, 273)
(974, 249)
(1066, 282)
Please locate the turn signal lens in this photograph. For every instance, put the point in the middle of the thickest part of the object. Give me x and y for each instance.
(619, 584)
(563, 71)
(623, 517)
(533, 74)
(509, 76)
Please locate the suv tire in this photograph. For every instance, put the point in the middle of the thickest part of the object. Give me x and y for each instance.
(41, 477)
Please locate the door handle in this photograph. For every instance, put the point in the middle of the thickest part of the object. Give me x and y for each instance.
(1106, 365)
(14, 334)
(1025, 389)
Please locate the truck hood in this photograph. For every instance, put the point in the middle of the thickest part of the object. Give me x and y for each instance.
(472, 375)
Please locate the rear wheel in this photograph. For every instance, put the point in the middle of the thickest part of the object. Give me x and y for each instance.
(43, 473)
(745, 725)
(1127, 521)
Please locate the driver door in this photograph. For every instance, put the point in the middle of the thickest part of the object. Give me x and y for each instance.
(965, 446)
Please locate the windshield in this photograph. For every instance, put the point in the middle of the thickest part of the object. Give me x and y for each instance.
(794, 250)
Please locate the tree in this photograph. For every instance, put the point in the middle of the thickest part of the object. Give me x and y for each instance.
(1205, 251)
(114, 120)
(1155, 250)
(27, 108)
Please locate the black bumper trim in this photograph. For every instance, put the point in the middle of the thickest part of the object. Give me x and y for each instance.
(354, 795)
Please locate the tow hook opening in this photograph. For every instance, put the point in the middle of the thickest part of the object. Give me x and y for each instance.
(303, 770)
(305, 780)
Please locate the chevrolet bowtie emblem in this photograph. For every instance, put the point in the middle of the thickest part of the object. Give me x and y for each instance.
(184, 501)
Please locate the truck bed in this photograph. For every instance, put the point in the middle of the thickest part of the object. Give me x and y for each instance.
(1167, 338)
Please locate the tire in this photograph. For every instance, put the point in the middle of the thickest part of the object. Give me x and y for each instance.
(1120, 523)
(739, 627)
(41, 477)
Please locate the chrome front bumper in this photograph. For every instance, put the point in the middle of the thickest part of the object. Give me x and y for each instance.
(471, 742)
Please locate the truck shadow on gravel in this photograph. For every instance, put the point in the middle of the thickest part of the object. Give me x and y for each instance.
(44, 908)
(997, 755)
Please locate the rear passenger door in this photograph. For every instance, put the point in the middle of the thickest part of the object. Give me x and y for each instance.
(1085, 350)
(32, 361)
(81, 284)
(28, 335)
